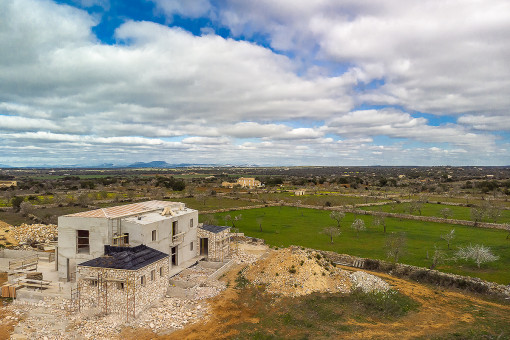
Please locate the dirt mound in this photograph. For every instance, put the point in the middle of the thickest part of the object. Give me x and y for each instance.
(294, 272)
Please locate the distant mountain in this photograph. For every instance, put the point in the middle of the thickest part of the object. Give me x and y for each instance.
(163, 164)
(5, 166)
(153, 164)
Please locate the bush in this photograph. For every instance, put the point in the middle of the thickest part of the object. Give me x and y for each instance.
(390, 303)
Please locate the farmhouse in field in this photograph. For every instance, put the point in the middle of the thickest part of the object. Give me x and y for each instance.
(168, 227)
(8, 184)
(244, 182)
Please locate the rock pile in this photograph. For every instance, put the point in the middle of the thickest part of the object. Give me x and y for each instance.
(295, 272)
(41, 233)
(368, 283)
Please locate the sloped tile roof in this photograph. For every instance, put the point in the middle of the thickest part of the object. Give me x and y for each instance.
(128, 258)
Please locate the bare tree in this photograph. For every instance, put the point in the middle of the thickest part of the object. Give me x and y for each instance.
(477, 215)
(415, 206)
(337, 216)
(448, 237)
(438, 258)
(478, 253)
(396, 246)
(26, 208)
(493, 212)
(506, 226)
(228, 219)
(358, 225)
(446, 212)
(259, 222)
(380, 221)
(236, 218)
(331, 232)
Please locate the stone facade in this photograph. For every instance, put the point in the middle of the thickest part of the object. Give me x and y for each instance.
(218, 244)
(125, 292)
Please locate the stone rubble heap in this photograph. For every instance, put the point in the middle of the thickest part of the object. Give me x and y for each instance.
(368, 283)
(42, 233)
(294, 272)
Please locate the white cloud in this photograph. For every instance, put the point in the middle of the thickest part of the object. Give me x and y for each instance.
(63, 93)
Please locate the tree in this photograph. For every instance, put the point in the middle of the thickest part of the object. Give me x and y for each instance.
(493, 213)
(26, 208)
(358, 225)
(478, 253)
(448, 237)
(446, 212)
(415, 206)
(396, 246)
(506, 226)
(337, 216)
(236, 218)
(259, 222)
(438, 258)
(380, 221)
(16, 202)
(228, 219)
(477, 214)
(331, 232)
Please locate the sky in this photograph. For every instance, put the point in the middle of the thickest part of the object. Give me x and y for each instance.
(267, 82)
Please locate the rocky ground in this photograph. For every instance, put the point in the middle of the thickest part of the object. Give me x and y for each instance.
(292, 271)
(51, 319)
(30, 233)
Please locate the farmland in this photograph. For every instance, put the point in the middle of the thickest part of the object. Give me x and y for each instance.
(284, 226)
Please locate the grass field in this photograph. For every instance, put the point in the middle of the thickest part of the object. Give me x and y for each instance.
(284, 226)
(430, 209)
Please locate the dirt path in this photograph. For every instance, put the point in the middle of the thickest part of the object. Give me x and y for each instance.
(439, 311)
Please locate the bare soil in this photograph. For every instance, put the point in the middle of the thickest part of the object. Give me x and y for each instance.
(442, 313)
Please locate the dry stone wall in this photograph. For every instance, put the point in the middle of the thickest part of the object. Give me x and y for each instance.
(423, 275)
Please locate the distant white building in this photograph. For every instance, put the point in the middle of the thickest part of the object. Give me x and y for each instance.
(169, 227)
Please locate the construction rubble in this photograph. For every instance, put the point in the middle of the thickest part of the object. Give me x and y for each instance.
(40, 233)
(368, 283)
(295, 271)
(291, 271)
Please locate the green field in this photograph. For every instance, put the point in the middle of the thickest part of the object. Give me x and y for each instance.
(430, 209)
(284, 226)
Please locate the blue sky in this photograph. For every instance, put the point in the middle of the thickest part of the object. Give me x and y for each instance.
(271, 82)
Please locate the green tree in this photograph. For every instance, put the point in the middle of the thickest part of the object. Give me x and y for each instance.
(337, 216)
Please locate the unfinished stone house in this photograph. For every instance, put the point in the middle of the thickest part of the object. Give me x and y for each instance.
(125, 280)
(214, 242)
(168, 227)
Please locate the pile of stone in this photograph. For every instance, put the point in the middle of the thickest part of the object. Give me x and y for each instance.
(40, 233)
(171, 314)
(242, 257)
(295, 272)
(368, 283)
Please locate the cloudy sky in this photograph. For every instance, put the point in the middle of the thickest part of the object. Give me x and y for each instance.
(267, 82)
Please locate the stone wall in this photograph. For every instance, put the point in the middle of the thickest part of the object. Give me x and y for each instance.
(422, 275)
(113, 296)
(219, 244)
